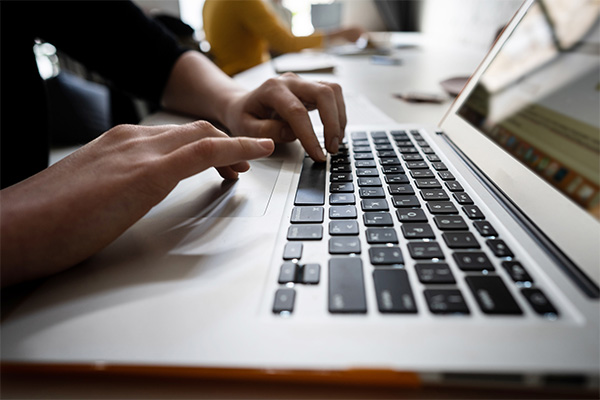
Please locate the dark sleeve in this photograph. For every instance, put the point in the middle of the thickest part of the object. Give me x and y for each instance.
(112, 38)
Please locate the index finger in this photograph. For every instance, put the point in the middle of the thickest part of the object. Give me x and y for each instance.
(292, 110)
(328, 99)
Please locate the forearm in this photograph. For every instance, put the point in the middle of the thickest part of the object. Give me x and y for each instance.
(198, 87)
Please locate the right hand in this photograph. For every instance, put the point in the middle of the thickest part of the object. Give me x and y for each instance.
(64, 214)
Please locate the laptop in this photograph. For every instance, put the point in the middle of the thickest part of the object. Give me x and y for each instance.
(419, 254)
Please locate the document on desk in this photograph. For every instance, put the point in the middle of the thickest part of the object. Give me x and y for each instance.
(305, 62)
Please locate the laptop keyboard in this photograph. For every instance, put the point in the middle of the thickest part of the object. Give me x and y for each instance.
(379, 178)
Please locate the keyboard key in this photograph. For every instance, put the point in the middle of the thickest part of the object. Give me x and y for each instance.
(472, 261)
(393, 291)
(492, 295)
(412, 157)
(416, 165)
(343, 228)
(401, 189)
(369, 182)
(499, 248)
(434, 195)
(425, 250)
(381, 235)
(473, 212)
(292, 250)
(422, 174)
(485, 228)
(344, 245)
(439, 166)
(341, 199)
(407, 149)
(379, 135)
(411, 215)
(446, 301)
(340, 160)
(386, 153)
(341, 187)
(284, 300)
(539, 302)
(385, 255)
(392, 169)
(346, 286)
(390, 161)
(462, 198)
(401, 178)
(305, 232)
(311, 274)
(373, 192)
(362, 172)
(441, 207)
(341, 177)
(446, 175)
(374, 205)
(450, 223)
(428, 184)
(381, 141)
(311, 186)
(307, 214)
(340, 168)
(377, 219)
(365, 164)
(454, 186)
(460, 240)
(357, 135)
(417, 231)
(405, 201)
(516, 271)
(342, 212)
(434, 273)
(363, 156)
(288, 272)
(361, 149)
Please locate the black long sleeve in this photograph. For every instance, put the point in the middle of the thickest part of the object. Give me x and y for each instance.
(112, 38)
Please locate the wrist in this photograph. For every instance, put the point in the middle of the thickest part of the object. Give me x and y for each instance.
(228, 111)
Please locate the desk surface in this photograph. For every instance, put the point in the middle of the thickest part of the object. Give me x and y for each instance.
(421, 69)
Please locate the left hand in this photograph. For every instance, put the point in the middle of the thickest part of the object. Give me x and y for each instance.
(278, 109)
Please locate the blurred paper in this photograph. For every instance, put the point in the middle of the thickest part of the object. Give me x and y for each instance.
(306, 62)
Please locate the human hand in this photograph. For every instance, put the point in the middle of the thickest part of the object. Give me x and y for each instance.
(79, 205)
(278, 109)
(351, 34)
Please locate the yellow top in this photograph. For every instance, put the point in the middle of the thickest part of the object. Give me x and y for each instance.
(241, 33)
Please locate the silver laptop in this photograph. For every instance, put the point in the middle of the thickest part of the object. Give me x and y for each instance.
(466, 252)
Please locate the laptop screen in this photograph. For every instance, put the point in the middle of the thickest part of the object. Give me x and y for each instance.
(539, 99)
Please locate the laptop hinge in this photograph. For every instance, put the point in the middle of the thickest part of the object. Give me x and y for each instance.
(562, 260)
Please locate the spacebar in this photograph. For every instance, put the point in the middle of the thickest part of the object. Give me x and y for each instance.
(311, 187)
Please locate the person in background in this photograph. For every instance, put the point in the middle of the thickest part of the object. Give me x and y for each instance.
(52, 218)
(242, 32)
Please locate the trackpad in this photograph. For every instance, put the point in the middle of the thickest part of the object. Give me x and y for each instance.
(207, 195)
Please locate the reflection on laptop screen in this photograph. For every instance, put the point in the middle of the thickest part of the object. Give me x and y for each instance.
(539, 99)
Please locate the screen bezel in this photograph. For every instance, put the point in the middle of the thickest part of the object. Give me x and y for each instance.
(574, 231)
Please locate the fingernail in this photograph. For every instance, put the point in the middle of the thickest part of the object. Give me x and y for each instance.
(266, 144)
(320, 154)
